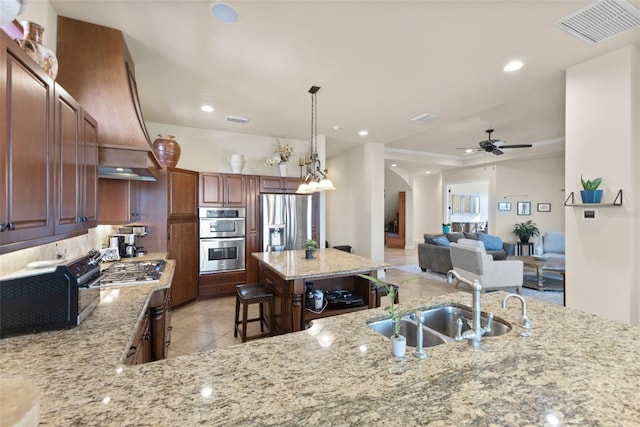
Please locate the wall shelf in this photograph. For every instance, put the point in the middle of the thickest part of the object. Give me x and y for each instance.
(570, 201)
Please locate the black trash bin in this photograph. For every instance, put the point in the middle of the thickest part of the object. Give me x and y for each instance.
(345, 248)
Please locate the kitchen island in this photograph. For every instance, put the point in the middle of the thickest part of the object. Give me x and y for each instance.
(287, 273)
(574, 369)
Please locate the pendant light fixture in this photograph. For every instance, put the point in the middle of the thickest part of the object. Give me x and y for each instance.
(316, 178)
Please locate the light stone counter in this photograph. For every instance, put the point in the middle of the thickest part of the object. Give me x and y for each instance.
(292, 265)
(574, 369)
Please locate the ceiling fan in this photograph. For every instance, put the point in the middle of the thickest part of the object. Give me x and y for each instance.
(495, 146)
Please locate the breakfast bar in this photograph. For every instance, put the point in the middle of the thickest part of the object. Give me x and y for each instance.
(287, 273)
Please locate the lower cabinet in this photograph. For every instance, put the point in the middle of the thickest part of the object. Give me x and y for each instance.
(152, 339)
(220, 284)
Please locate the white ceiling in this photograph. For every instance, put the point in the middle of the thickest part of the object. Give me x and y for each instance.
(379, 63)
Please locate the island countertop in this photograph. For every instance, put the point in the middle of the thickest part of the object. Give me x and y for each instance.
(291, 265)
(574, 369)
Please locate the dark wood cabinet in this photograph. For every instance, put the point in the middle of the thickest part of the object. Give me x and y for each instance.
(220, 284)
(252, 224)
(276, 184)
(218, 189)
(26, 146)
(160, 323)
(76, 162)
(182, 245)
(182, 194)
(140, 349)
(134, 212)
(114, 203)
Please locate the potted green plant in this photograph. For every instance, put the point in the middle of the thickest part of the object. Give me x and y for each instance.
(310, 247)
(398, 342)
(526, 230)
(446, 228)
(590, 192)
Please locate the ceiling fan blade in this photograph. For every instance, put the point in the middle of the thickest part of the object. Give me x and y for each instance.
(496, 151)
(517, 146)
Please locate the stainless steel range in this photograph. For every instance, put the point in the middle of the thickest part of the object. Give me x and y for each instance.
(132, 273)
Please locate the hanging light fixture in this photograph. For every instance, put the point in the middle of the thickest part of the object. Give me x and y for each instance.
(316, 178)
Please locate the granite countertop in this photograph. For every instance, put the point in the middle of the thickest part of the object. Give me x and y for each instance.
(575, 368)
(293, 265)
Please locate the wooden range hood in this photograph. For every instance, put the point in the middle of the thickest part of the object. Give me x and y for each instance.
(96, 68)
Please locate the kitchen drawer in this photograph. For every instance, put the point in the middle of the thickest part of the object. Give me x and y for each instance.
(220, 284)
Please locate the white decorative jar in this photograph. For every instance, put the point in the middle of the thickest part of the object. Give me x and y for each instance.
(237, 163)
(398, 345)
(282, 167)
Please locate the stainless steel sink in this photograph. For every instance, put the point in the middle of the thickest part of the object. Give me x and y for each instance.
(440, 325)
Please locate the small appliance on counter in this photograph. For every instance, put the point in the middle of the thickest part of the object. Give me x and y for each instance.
(126, 244)
(49, 295)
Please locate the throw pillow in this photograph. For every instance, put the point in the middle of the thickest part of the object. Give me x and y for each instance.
(428, 238)
(491, 243)
(472, 236)
(553, 242)
(441, 241)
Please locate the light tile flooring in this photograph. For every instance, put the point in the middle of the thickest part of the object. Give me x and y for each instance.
(208, 323)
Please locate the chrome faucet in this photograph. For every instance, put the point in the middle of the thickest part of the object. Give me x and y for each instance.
(524, 320)
(474, 336)
(419, 353)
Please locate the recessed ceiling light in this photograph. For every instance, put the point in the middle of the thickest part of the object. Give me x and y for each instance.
(207, 108)
(513, 66)
(469, 150)
(363, 133)
(427, 171)
(224, 12)
(393, 165)
(335, 127)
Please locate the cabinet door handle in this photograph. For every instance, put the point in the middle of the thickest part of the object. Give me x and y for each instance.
(4, 227)
(12, 226)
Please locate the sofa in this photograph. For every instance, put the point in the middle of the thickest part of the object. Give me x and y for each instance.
(434, 254)
(552, 244)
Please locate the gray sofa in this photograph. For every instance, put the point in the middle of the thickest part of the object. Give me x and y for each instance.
(436, 258)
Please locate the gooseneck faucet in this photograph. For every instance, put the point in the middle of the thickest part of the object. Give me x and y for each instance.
(474, 336)
(524, 320)
(419, 353)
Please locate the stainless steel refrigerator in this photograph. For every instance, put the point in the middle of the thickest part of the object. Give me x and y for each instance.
(286, 221)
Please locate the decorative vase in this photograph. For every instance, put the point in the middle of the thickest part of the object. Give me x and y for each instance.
(237, 163)
(282, 167)
(591, 196)
(446, 229)
(32, 44)
(308, 254)
(398, 345)
(167, 149)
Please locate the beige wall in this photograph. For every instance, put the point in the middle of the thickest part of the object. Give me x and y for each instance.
(602, 139)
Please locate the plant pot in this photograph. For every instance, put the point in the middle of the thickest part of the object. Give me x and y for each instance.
(446, 229)
(524, 239)
(398, 345)
(308, 254)
(591, 196)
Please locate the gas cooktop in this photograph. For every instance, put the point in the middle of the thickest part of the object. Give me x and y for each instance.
(132, 273)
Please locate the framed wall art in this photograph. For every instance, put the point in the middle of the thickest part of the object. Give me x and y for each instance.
(504, 206)
(524, 208)
(544, 207)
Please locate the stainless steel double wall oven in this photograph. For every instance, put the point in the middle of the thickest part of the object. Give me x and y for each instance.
(222, 239)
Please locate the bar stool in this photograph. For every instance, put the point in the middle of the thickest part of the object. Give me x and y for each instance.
(254, 293)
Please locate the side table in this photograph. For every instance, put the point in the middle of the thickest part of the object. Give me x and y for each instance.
(521, 245)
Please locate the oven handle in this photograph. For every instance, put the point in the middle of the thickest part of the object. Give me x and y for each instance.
(226, 239)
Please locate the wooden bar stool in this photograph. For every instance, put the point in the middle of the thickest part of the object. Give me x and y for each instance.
(254, 293)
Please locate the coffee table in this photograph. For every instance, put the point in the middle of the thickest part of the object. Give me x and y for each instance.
(540, 264)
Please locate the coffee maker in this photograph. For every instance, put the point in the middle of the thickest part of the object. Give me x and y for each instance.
(126, 245)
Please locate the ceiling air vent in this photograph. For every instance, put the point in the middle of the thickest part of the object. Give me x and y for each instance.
(426, 117)
(602, 20)
(236, 119)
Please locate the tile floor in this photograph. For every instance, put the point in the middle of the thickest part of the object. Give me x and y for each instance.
(208, 323)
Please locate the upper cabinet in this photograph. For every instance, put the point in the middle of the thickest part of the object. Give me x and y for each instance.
(96, 68)
(276, 184)
(218, 189)
(26, 146)
(76, 159)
